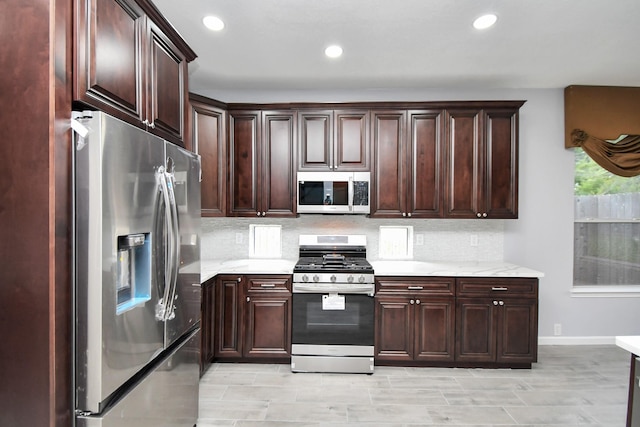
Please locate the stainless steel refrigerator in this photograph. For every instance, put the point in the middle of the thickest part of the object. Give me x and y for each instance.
(137, 277)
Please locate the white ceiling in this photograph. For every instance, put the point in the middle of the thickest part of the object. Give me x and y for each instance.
(277, 45)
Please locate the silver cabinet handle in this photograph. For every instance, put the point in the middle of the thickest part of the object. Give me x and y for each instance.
(501, 302)
(411, 302)
(248, 299)
(267, 285)
(499, 288)
(495, 303)
(417, 301)
(409, 214)
(239, 279)
(415, 288)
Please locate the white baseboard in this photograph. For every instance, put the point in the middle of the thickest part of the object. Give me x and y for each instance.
(576, 340)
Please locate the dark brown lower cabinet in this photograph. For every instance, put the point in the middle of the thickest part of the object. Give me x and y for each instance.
(497, 322)
(207, 325)
(267, 331)
(465, 322)
(414, 320)
(253, 318)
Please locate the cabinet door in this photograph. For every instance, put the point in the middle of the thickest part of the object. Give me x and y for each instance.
(207, 351)
(518, 331)
(499, 194)
(424, 165)
(476, 324)
(315, 144)
(209, 141)
(167, 84)
(351, 140)
(267, 329)
(390, 167)
(278, 164)
(229, 314)
(394, 329)
(108, 67)
(244, 157)
(435, 329)
(463, 166)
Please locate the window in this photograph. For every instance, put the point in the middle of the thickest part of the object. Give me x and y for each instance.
(606, 227)
(265, 241)
(396, 242)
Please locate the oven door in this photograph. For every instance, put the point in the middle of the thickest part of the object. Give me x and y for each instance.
(332, 319)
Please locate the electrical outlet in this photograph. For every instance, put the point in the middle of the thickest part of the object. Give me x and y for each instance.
(557, 329)
(419, 239)
(473, 240)
(239, 238)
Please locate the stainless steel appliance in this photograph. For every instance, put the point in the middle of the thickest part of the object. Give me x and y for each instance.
(137, 277)
(333, 287)
(334, 192)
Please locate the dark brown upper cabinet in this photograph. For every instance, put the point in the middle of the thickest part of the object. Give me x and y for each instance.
(333, 140)
(209, 137)
(408, 148)
(482, 163)
(261, 163)
(128, 62)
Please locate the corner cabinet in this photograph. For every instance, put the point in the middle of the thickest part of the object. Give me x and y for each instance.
(261, 163)
(253, 318)
(408, 153)
(130, 63)
(496, 322)
(209, 138)
(482, 162)
(415, 320)
(333, 140)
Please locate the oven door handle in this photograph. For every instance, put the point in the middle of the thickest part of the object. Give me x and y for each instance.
(304, 289)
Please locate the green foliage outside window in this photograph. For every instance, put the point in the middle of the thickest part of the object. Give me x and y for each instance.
(592, 179)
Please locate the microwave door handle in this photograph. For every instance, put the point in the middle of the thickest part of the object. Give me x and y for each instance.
(351, 193)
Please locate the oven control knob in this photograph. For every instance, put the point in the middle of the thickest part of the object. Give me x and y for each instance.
(333, 278)
(305, 278)
(350, 279)
(361, 279)
(316, 278)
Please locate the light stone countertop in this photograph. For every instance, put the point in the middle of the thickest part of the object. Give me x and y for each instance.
(457, 269)
(210, 268)
(630, 343)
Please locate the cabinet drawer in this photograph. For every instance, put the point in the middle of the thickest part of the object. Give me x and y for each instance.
(517, 287)
(413, 286)
(266, 283)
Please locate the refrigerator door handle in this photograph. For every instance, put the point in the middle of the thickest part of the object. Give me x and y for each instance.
(174, 234)
(164, 308)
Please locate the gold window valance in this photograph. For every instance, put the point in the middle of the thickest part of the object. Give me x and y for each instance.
(596, 116)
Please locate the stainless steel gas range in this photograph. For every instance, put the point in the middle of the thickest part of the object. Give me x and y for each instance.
(333, 306)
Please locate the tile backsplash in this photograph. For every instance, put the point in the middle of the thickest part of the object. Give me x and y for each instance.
(442, 239)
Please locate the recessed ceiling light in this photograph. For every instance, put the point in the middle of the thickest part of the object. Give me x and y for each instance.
(485, 21)
(333, 51)
(213, 23)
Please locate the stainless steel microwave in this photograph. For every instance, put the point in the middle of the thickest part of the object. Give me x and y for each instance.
(334, 192)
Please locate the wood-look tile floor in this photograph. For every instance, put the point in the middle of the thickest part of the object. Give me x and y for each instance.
(569, 386)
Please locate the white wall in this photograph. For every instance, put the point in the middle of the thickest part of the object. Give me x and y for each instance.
(541, 238)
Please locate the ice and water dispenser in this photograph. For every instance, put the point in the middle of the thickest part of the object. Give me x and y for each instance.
(133, 285)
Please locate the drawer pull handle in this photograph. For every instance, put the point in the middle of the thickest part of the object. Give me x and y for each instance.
(499, 288)
(267, 285)
(415, 288)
